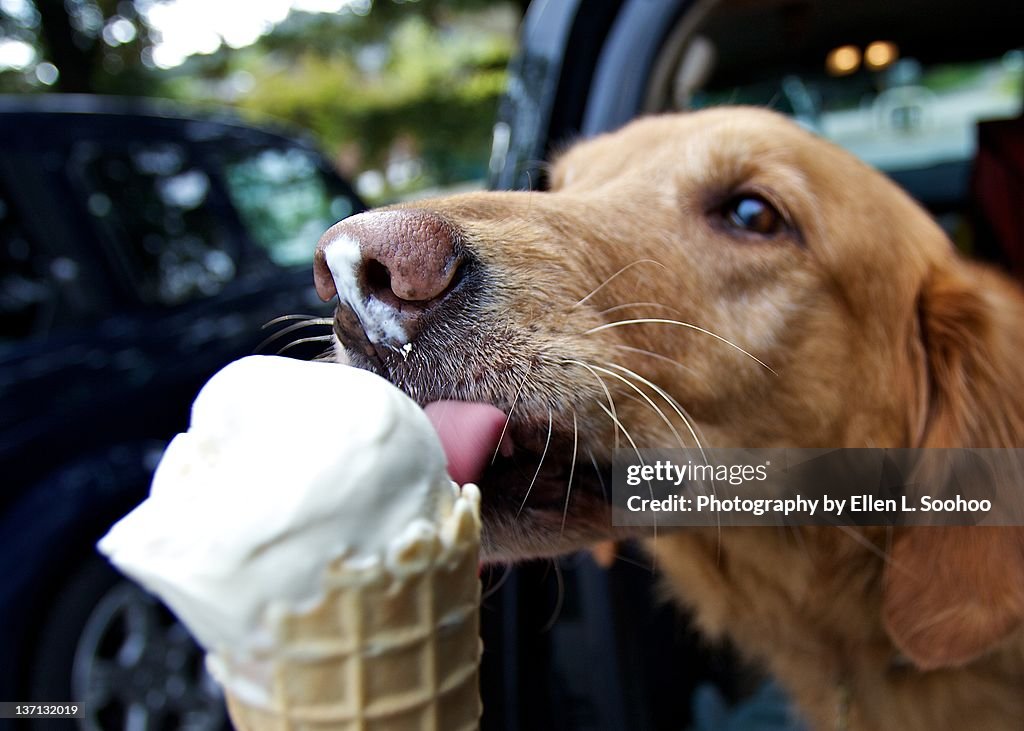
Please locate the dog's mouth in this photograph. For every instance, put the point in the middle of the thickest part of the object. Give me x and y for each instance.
(524, 463)
(541, 494)
(545, 488)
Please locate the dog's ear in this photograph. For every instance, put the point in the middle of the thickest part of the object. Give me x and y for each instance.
(969, 362)
(951, 593)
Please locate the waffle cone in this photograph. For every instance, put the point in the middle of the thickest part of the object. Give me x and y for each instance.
(393, 646)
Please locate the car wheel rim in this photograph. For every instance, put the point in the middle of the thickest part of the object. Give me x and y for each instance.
(137, 668)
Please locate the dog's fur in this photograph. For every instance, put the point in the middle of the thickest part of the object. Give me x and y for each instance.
(878, 335)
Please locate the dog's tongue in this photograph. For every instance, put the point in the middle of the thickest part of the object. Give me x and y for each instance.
(469, 433)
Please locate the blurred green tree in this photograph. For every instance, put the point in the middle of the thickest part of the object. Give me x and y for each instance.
(405, 90)
(106, 46)
(419, 99)
(80, 46)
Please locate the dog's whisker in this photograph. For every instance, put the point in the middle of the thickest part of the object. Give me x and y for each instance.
(683, 415)
(547, 443)
(640, 461)
(618, 423)
(863, 541)
(633, 562)
(508, 419)
(630, 396)
(624, 269)
(690, 425)
(493, 589)
(607, 393)
(798, 538)
(559, 597)
(647, 399)
(528, 166)
(290, 329)
(300, 341)
(638, 304)
(572, 470)
(313, 319)
(597, 470)
(680, 323)
(652, 354)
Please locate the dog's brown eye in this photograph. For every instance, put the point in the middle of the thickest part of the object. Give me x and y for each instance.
(753, 214)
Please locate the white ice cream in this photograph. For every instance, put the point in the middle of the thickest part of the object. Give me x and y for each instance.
(280, 472)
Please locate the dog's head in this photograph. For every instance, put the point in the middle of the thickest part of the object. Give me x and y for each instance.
(721, 276)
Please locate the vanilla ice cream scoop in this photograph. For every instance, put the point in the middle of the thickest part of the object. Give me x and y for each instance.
(279, 474)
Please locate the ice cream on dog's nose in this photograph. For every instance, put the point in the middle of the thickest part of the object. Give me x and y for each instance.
(295, 528)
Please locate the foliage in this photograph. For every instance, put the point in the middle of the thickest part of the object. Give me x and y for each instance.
(407, 88)
(435, 88)
(99, 46)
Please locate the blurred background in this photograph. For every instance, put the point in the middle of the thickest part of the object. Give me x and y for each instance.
(400, 95)
(166, 167)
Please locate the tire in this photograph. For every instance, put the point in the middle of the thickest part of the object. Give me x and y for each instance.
(117, 651)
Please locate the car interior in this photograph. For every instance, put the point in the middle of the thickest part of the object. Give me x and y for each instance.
(929, 92)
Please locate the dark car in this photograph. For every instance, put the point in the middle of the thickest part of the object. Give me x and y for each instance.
(928, 91)
(142, 249)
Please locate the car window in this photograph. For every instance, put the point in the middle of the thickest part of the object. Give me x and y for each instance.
(916, 98)
(285, 200)
(27, 299)
(155, 204)
(898, 93)
(914, 115)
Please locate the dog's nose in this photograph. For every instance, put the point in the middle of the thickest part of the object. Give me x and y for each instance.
(388, 268)
(396, 257)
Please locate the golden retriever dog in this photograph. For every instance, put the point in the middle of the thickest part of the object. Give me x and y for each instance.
(727, 277)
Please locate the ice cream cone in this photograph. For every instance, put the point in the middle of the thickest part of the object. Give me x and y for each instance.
(392, 645)
(336, 592)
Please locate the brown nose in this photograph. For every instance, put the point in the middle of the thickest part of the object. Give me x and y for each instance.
(396, 257)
